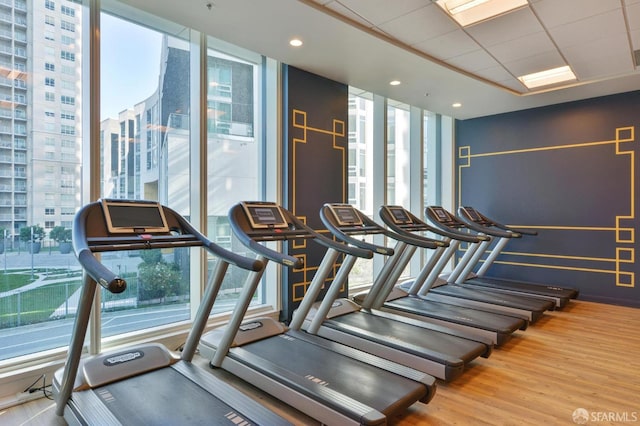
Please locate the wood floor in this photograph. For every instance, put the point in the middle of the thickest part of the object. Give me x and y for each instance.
(584, 356)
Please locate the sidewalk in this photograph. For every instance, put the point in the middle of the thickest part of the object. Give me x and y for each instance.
(44, 259)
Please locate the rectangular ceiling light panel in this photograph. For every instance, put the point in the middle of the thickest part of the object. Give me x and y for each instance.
(548, 77)
(467, 12)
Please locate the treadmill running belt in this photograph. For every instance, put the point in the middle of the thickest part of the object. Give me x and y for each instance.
(410, 338)
(459, 315)
(165, 397)
(316, 366)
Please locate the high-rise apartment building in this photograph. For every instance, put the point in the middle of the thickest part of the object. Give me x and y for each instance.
(14, 111)
(40, 113)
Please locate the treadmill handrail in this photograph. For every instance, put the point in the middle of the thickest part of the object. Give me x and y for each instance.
(223, 254)
(236, 217)
(494, 232)
(84, 247)
(369, 227)
(328, 242)
(454, 222)
(407, 229)
(499, 225)
(341, 233)
(96, 270)
(297, 229)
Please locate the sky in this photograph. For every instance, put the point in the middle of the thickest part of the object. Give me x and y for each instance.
(130, 64)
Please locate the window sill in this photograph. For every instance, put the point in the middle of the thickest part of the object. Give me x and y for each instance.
(19, 374)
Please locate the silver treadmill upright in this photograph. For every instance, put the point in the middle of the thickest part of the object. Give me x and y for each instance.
(145, 384)
(416, 344)
(502, 234)
(386, 295)
(445, 289)
(326, 385)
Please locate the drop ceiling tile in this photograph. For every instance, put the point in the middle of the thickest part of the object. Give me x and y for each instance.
(473, 61)
(420, 25)
(535, 63)
(514, 84)
(380, 11)
(496, 73)
(518, 48)
(340, 9)
(555, 13)
(633, 15)
(449, 45)
(589, 29)
(600, 58)
(506, 27)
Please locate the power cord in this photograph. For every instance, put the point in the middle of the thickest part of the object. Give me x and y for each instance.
(46, 392)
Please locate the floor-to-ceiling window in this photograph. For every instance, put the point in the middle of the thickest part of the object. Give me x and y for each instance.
(392, 142)
(234, 146)
(145, 150)
(360, 170)
(149, 106)
(41, 127)
(397, 153)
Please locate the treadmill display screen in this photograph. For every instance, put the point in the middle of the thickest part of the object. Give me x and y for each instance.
(399, 215)
(265, 215)
(134, 217)
(345, 215)
(440, 213)
(472, 214)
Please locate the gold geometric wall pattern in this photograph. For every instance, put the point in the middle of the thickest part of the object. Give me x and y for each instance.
(622, 230)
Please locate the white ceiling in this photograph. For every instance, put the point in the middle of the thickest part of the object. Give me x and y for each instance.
(367, 43)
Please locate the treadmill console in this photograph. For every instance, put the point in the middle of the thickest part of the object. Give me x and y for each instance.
(134, 217)
(473, 215)
(264, 215)
(346, 215)
(399, 215)
(441, 214)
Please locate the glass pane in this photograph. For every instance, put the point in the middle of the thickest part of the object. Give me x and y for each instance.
(425, 150)
(233, 153)
(397, 154)
(398, 159)
(145, 99)
(41, 64)
(361, 172)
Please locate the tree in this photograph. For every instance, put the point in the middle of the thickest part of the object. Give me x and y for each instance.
(38, 233)
(156, 278)
(60, 234)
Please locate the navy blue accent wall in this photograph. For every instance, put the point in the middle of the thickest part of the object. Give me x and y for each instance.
(315, 149)
(568, 171)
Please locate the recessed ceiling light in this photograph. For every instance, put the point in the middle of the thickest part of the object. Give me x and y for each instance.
(456, 104)
(547, 77)
(395, 82)
(467, 12)
(295, 42)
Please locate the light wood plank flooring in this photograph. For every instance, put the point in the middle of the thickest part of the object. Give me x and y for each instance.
(584, 356)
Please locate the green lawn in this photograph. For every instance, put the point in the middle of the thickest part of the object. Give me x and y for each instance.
(14, 280)
(35, 305)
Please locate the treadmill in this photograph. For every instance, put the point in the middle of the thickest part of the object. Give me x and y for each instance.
(387, 296)
(325, 384)
(446, 290)
(145, 384)
(431, 348)
(481, 223)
